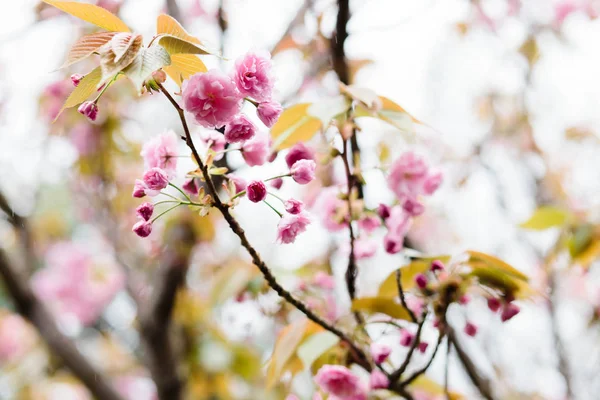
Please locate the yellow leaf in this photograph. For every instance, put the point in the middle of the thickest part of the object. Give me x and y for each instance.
(589, 255)
(165, 24)
(85, 89)
(230, 280)
(86, 46)
(546, 217)
(493, 262)
(92, 14)
(383, 305)
(315, 345)
(429, 387)
(175, 45)
(530, 50)
(294, 125)
(184, 66)
(389, 287)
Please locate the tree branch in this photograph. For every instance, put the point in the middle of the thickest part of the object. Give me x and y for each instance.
(33, 310)
(351, 270)
(421, 371)
(264, 269)
(401, 295)
(396, 374)
(22, 226)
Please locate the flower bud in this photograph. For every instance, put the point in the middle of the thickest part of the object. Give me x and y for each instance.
(139, 189)
(380, 352)
(276, 183)
(303, 171)
(383, 211)
(159, 76)
(297, 152)
(268, 112)
(142, 228)
(76, 78)
(470, 329)
(256, 191)
(493, 304)
(156, 180)
(509, 311)
(294, 206)
(89, 109)
(190, 187)
(406, 338)
(145, 211)
(437, 265)
(423, 347)
(378, 380)
(421, 281)
(239, 129)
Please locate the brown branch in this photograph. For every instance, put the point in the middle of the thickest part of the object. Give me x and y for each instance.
(401, 295)
(35, 311)
(394, 376)
(352, 269)
(257, 260)
(482, 384)
(21, 224)
(307, 5)
(421, 371)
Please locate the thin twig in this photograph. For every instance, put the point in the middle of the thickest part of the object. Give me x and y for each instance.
(264, 269)
(447, 370)
(394, 376)
(36, 312)
(351, 270)
(413, 317)
(21, 224)
(421, 371)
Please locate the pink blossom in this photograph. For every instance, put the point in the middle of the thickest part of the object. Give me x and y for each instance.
(211, 97)
(155, 180)
(253, 76)
(383, 211)
(406, 338)
(339, 381)
(493, 304)
(290, 226)
(136, 387)
(239, 129)
(76, 79)
(142, 228)
(145, 211)
(213, 140)
(413, 207)
(432, 183)
(509, 311)
(407, 176)
(398, 224)
(294, 206)
(421, 281)
(268, 112)
(437, 265)
(276, 183)
(256, 191)
(423, 347)
(76, 282)
(380, 352)
(464, 299)
(238, 182)
(324, 280)
(378, 380)
(416, 304)
(89, 109)
(563, 9)
(470, 329)
(16, 338)
(161, 152)
(369, 223)
(190, 186)
(139, 189)
(297, 152)
(256, 150)
(332, 209)
(303, 171)
(364, 248)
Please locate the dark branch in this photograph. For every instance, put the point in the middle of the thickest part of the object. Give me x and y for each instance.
(421, 371)
(401, 295)
(264, 269)
(351, 270)
(398, 373)
(33, 310)
(22, 226)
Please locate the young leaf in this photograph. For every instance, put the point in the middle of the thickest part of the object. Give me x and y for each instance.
(117, 54)
(315, 345)
(327, 109)
(92, 14)
(389, 287)
(85, 89)
(175, 45)
(165, 24)
(86, 46)
(495, 263)
(148, 60)
(546, 217)
(183, 66)
(383, 305)
(294, 125)
(230, 280)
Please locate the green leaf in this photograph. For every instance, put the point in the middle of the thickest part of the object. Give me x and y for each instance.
(83, 91)
(86, 46)
(383, 305)
(580, 239)
(294, 125)
(546, 217)
(147, 61)
(315, 345)
(92, 14)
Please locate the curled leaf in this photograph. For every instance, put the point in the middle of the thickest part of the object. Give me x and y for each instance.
(546, 217)
(147, 61)
(118, 53)
(383, 305)
(92, 14)
(86, 46)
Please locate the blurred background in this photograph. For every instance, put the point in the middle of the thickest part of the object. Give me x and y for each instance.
(508, 91)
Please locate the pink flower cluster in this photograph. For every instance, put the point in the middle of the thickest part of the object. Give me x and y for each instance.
(341, 384)
(76, 283)
(16, 338)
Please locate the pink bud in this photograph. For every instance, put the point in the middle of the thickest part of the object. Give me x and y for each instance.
(413, 207)
(380, 352)
(89, 109)
(294, 206)
(159, 76)
(139, 189)
(437, 265)
(76, 78)
(155, 179)
(378, 380)
(268, 112)
(142, 228)
(238, 182)
(493, 304)
(145, 211)
(298, 152)
(423, 347)
(190, 187)
(239, 129)
(383, 211)
(369, 223)
(464, 299)
(276, 183)
(510, 310)
(470, 329)
(421, 281)
(324, 280)
(303, 171)
(406, 338)
(256, 191)
(432, 183)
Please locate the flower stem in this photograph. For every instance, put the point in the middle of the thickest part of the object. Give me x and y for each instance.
(273, 208)
(164, 212)
(181, 191)
(277, 197)
(277, 177)
(240, 194)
